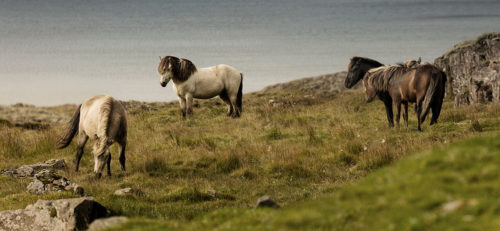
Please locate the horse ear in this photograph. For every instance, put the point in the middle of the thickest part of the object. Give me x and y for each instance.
(159, 57)
(419, 60)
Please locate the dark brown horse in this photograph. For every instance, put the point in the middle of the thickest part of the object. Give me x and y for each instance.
(359, 66)
(356, 69)
(423, 84)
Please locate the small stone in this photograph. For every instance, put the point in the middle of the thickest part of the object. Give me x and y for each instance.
(129, 191)
(24, 171)
(452, 206)
(212, 192)
(36, 187)
(266, 201)
(78, 190)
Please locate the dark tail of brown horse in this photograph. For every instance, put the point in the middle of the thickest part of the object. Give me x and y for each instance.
(239, 97)
(72, 129)
(429, 94)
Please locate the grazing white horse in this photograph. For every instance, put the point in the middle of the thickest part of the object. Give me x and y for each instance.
(103, 119)
(203, 83)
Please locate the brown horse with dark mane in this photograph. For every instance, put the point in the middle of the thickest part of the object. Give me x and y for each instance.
(422, 84)
(387, 90)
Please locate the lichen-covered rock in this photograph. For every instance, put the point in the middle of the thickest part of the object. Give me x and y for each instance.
(47, 181)
(473, 70)
(64, 214)
(31, 169)
(104, 223)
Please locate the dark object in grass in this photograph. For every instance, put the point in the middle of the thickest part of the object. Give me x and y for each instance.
(266, 201)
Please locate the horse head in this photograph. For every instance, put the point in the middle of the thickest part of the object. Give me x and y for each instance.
(357, 68)
(178, 69)
(101, 155)
(165, 67)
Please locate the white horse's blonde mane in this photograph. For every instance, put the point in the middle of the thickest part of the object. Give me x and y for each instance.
(104, 123)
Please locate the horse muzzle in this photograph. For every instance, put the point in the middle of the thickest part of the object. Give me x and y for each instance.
(163, 84)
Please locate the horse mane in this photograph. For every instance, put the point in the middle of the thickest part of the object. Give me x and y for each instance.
(368, 61)
(181, 68)
(104, 123)
(381, 77)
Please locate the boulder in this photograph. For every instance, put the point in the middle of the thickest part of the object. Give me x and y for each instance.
(57, 215)
(473, 70)
(47, 181)
(104, 223)
(31, 169)
(266, 201)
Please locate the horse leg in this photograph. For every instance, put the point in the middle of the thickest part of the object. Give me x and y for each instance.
(82, 140)
(236, 111)
(388, 110)
(182, 103)
(405, 113)
(109, 165)
(189, 104)
(397, 103)
(121, 149)
(418, 109)
(226, 100)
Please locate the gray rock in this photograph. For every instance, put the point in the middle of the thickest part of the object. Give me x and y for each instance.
(64, 214)
(47, 181)
(31, 169)
(266, 201)
(213, 193)
(104, 223)
(473, 70)
(129, 191)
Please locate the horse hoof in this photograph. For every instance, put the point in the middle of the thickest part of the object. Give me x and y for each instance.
(98, 175)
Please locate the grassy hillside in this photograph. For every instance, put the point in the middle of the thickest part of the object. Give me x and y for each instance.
(452, 188)
(303, 146)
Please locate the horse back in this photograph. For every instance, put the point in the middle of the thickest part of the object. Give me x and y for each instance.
(103, 115)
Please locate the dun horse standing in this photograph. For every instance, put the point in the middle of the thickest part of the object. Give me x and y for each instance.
(102, 119)
(202, 83)
(411, 82)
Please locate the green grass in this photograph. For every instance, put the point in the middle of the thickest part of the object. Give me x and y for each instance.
(302, 150)
(449, 188)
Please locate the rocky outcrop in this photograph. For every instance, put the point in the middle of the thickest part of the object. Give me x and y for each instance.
(47, 181)
(31, 169)
(57, 215)
(329, 84)
(473, 70)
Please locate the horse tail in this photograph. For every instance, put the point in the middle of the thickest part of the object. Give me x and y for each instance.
(71, 130)
(104, 124)
(240, 94)
(431, 89)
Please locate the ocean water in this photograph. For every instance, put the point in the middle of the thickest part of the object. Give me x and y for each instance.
(56, 52)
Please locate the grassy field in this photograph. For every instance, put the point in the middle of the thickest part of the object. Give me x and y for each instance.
(452, 188)
(305, 147)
